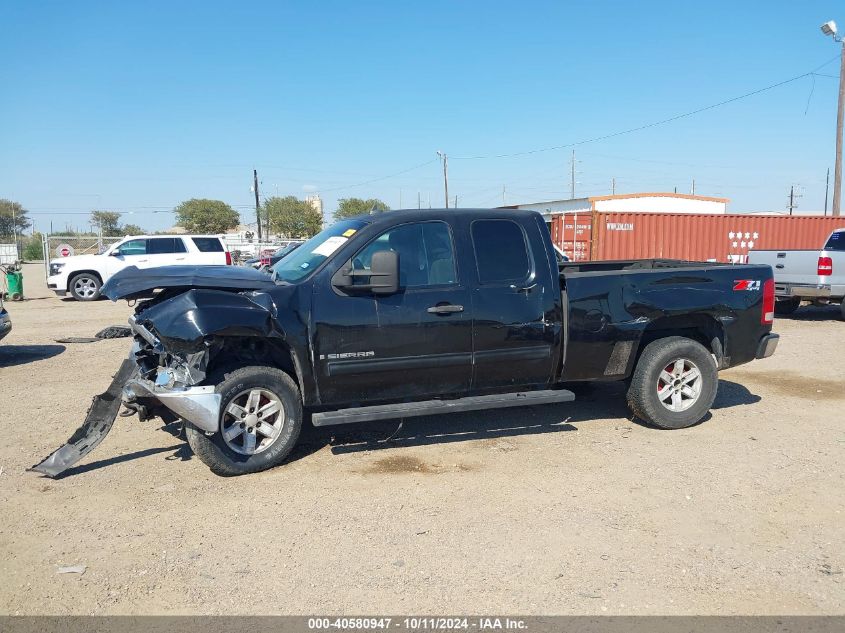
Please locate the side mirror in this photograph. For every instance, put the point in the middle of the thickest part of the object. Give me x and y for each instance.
(383, 276)
(384, 273)
(114, 253)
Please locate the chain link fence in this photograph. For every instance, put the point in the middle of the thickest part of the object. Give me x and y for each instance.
(58, 246)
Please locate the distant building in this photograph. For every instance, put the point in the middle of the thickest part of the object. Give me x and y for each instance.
(316, 202)
(629, 203)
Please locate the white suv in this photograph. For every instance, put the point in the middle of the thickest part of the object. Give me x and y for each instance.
(83, 275)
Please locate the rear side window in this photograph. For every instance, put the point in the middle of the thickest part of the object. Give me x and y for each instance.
(836, 242)
(500, 251)
(165, 245)
(208, 244)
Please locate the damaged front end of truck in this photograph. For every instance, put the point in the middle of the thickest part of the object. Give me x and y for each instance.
(189, 323)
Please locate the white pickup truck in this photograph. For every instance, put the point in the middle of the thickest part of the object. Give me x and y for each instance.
(83, 275)
(817, 276)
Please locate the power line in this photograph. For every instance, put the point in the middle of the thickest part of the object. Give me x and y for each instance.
(367, 182)
(653, 123)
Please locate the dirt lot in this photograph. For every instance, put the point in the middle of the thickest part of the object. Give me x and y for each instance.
(548, 510)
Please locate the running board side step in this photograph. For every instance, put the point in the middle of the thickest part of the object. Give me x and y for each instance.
(435, 407)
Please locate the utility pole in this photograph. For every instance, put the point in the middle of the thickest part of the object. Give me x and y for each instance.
(792, 197)
(257, 205)
(503, 196)
(826, 189)
(572, 177)
(419, 200)
(613, 186)
(693, 187)
(445, 160)
(456, 202)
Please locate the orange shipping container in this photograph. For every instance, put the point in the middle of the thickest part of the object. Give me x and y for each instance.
(718, 237)
(572, 233)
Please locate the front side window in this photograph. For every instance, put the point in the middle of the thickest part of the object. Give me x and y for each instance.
(426, 255)
(133, 247)
(165, 245)
(500, 251)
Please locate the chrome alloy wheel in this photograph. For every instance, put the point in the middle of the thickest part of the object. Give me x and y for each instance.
(252, 421)
(679, 385)
(85, 287)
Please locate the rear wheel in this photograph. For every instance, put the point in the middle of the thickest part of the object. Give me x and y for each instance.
(842, 309)
(85, 287)
(787, 306)
(674, 383)
(260, 421)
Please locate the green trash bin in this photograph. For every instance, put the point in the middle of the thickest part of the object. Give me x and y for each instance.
(14, 282)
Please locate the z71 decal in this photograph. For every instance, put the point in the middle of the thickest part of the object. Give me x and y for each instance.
(746, 284)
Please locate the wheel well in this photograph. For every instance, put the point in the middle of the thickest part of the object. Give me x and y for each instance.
(233, 352)
(698, 327)
(73, 275)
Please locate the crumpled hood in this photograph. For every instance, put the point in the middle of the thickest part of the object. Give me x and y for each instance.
(133, 282)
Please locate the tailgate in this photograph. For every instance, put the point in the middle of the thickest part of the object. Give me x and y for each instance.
(789, 267)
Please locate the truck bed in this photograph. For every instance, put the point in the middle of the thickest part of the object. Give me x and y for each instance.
(619, 265)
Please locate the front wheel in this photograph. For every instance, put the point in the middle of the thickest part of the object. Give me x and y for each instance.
(674, 384)
(85, 287)
(260, 421)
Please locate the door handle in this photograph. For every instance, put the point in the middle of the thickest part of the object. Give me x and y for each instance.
(523, 288)
(780, 266)
(445, 309)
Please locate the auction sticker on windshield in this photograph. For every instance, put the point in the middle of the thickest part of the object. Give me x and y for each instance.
(330, 246)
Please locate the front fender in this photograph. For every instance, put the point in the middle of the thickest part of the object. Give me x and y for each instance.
(184, 322)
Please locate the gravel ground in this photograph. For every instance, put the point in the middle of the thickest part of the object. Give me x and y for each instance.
(567, 509)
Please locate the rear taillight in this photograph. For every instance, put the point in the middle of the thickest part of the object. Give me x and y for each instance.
(825, 266)
(768, 316)
(228, 258)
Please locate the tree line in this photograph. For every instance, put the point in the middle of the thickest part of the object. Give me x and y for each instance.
(288, 216)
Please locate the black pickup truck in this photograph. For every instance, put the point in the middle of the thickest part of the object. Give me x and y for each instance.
(414, 313)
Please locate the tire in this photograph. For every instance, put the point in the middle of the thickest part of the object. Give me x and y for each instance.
(842, 309)
(85, 287)
(650, 379)
(786, 306)
(114, 331)
(235, 456)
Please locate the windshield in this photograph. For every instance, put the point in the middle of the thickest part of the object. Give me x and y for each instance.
(300, 263)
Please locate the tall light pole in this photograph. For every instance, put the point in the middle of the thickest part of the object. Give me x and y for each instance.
(829, 28)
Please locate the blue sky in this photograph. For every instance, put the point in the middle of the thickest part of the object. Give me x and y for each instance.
(138, 106)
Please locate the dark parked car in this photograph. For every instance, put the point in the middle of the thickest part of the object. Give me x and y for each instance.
(412, 313)
(275, 258)
(5, 321)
